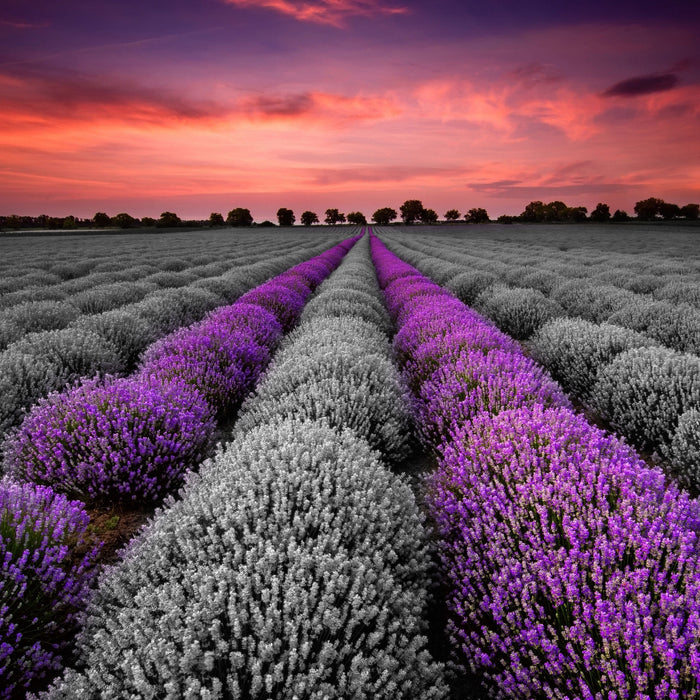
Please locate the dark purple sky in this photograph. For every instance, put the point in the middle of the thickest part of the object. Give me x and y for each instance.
(200, 106)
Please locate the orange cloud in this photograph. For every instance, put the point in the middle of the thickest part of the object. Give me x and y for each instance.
(332, 12)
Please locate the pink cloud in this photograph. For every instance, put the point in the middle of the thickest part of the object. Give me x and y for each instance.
(332, 12)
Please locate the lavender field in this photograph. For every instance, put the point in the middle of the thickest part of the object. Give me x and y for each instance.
(372, 462)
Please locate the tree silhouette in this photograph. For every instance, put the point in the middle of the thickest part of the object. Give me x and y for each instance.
(216, 219)
(239, 217)
(333, 217)
(357, 218)
(647, 209)
(691, 211)
(168, 219)
(285, 216)
(384, 216)
(308, 218)
(101, 220)
(601, 213)
(477, 216)
(411, 210)
(452, 215)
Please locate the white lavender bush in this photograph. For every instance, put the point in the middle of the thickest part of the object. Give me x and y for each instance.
(110, 296)
(573, 350)
(293, 567)
(590, 301)
(679, 291)
(168, 309)
(684, 451)
(675, 325)
(344, 302)
(644, 391)
(467, 286)
(517, 311)
(33, 316)
(128, 332)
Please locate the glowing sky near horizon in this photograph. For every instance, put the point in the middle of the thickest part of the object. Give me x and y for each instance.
(196, 106)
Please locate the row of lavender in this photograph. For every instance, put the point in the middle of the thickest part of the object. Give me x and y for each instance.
(294, 564)
(647, 392)
(111, 341)
(547, 257)
(126, 441)
(573, 569)
(51, 267)
(508, 273)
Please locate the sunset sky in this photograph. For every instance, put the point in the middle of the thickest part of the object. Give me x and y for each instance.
(196, 106)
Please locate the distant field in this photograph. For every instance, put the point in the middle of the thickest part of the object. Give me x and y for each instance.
(667, 238)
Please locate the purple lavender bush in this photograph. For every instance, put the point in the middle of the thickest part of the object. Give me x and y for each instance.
(223, 365)
(573, 569)
(261, 325)
(113, 440)
(474, 383)
(283, 302)
(43, 585)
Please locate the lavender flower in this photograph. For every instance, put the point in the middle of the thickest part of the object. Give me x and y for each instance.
(43, 584)
(117, 440)
(573, 568)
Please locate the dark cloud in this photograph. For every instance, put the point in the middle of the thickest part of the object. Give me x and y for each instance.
(643, 85)
(281, 105)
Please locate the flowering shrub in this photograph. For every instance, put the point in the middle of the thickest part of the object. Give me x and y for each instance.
(467, 286)
(113, 441)
(33, 316)
(74, 352)
(346, 389)
(679, 291)
(129, 333)
(573, 350)
(643, 391)
(342, 302)
(591, 301)
(42, 584)
(293, 566)
(573, 568)
(517, 311)
(222, 364)
(260, 325)
(684, 451)
(675, 325)
(474, 383)
(168, 309)
(544, 280)
(283, 302)
(171, 279)
(111, 296)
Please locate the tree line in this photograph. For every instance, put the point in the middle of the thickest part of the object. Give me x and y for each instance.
(411, 211)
